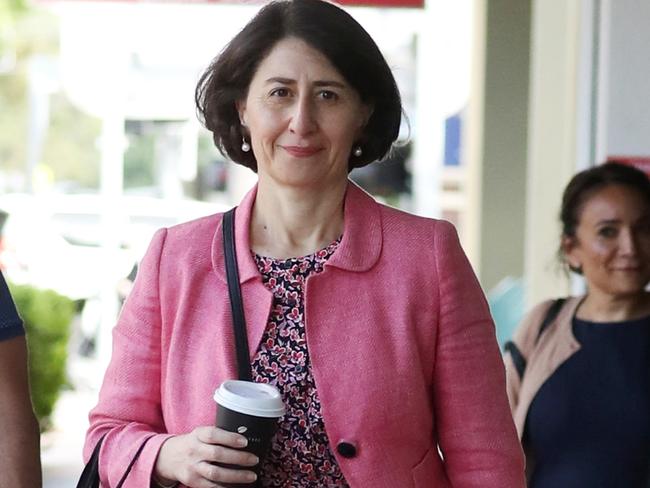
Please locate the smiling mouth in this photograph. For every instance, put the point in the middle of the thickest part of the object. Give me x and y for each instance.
(629, 269)
(301, 151)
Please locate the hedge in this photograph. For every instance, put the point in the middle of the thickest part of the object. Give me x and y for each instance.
(47, 316)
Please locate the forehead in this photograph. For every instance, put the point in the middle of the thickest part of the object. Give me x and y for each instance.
(293, 58)
(614, 202)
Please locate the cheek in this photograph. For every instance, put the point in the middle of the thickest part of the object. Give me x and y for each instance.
(343, 134)
(345, 140)
(644, 244)
(592, 258)
(264, 130)
(602, 251)
(601, 248)
(264, 122)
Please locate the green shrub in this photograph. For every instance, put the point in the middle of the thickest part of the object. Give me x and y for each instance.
(47, 316)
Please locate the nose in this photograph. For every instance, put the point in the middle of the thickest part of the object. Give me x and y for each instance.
(303, 117)
(628, 242)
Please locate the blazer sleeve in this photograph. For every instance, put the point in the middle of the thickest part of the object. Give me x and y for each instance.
(477, 436)
(128, 412)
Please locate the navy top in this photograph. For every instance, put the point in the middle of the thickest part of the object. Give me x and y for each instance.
(10, 323)
(589, 424)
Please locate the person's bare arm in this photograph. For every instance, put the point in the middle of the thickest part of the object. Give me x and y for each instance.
(20, 464)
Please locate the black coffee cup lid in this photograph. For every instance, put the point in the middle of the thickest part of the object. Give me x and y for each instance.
(258, 399)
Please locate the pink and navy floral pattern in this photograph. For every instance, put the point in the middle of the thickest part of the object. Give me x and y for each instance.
(300, 452)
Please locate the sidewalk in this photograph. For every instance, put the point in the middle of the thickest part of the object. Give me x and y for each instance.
(61, 446)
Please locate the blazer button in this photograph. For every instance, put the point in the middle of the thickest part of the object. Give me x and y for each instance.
(346, 449)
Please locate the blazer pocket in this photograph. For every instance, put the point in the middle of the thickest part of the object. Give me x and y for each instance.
(429, 472)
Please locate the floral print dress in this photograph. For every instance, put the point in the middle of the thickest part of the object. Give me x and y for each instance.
(300, 453)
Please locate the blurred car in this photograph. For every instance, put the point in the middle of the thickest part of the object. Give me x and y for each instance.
(83, 248)
(66, 243)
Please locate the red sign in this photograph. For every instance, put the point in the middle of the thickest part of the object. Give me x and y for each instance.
(351, 3)
(641, 162)
(383, 3)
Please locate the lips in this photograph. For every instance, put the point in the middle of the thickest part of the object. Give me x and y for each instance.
(629, 269)
(301, 151)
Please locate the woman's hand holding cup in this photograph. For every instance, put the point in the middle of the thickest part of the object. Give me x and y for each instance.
(190, 459)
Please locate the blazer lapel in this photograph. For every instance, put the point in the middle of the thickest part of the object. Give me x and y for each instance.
(361, 245)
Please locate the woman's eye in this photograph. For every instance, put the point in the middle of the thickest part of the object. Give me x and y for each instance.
(328, 95)
(607, 232)
(280, 92)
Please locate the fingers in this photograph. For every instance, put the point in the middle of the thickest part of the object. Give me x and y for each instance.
(198, 452)
(212, 473)
(208, 475)
(221, 446)
(215, 435)
(227, 455)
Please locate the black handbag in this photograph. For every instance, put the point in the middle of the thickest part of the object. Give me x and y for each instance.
(90, 475)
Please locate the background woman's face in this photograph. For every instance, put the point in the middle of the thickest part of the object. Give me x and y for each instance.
(612, 241)
(302, 116)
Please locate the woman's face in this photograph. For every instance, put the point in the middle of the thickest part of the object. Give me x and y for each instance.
(302, 116)
(612, 241)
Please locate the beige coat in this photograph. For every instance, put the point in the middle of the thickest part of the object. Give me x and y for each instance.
(556, 344)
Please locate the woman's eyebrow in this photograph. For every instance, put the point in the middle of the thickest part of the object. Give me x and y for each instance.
(319, 83)
(279, 79)
(618, 221)
(336, 84)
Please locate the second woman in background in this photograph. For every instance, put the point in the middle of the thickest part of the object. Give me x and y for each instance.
(579, 369)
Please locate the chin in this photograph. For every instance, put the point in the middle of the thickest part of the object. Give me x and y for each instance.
(306, 179)
(629, 290)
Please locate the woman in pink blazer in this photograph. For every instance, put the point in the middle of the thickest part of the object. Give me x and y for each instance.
(368, 320)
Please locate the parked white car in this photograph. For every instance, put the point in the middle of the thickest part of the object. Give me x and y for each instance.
(67, 243)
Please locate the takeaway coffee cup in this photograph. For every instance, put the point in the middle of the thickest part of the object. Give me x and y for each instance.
(252, 410)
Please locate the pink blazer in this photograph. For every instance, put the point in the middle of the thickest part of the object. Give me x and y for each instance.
(400, 338)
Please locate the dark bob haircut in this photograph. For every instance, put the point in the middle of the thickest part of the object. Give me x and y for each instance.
(328, 29)
(585, 183)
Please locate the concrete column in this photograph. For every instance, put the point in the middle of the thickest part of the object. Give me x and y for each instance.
(496, 136)
(560, 131)
(625, 71)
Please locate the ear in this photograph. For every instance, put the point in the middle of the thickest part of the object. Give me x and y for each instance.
(241, 109)
(364, 116)
(367, 111)
(569, 247)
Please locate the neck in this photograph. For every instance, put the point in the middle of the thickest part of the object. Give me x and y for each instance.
(290, 222)
(598, 307)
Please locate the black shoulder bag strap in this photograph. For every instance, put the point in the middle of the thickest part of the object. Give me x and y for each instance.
(236, 304)
(510, 347)
(90, 475)
(552, 312)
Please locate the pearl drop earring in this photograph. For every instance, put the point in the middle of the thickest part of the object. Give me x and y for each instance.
(245, 146)
(357, 151)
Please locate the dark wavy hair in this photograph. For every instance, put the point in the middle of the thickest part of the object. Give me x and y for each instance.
(585, 183)
(328, 29)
